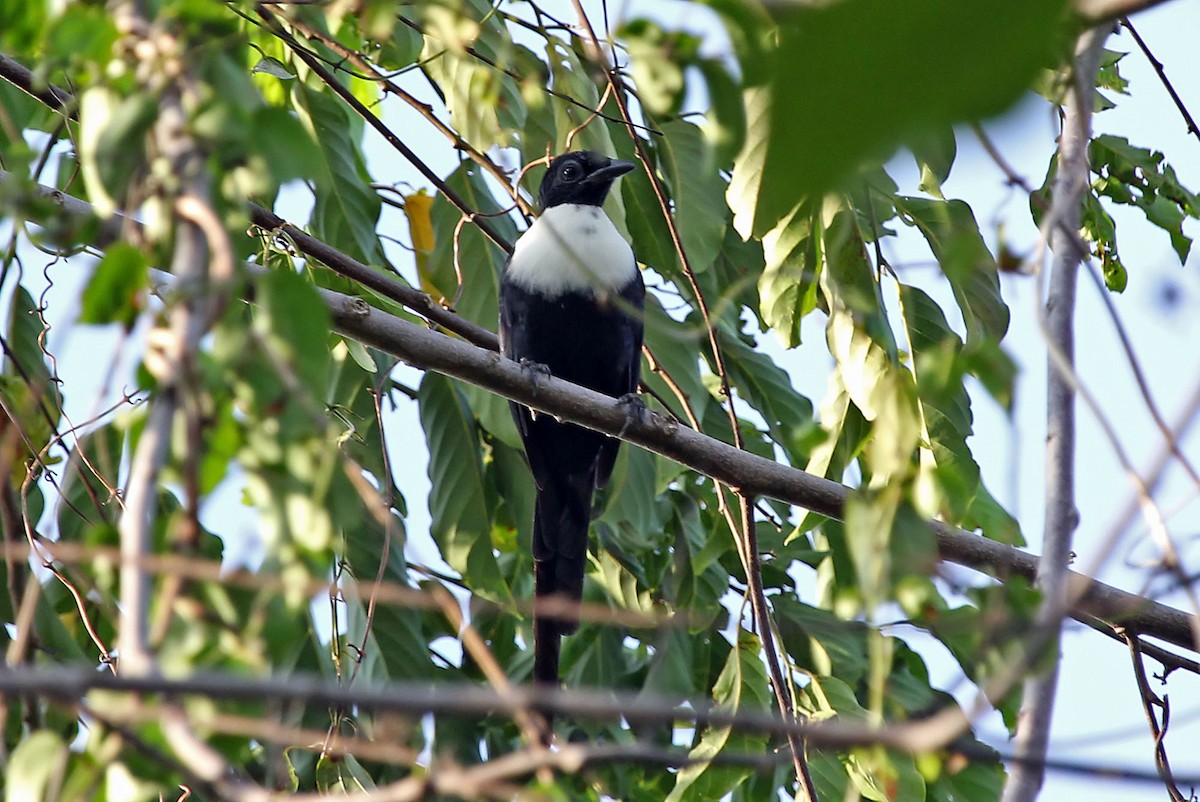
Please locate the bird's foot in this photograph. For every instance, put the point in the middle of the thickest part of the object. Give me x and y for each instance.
(534, 371)
(635, 411)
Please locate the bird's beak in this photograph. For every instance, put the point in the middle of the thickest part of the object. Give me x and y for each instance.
(610, 172)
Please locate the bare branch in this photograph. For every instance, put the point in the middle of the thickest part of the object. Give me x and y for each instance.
(1062, 516)
(197, 249)
(1192, 128)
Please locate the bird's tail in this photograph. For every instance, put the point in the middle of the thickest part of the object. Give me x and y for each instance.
(560, 536)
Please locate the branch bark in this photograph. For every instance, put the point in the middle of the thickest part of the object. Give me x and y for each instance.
(176, 344)
(1062, 516)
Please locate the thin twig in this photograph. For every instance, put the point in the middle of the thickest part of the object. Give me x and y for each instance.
(1162, 76)
(1151, 700)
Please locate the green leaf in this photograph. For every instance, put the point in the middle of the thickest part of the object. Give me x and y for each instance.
(919, 66)
(87, 479)
(485, 103)
(986, 636)
(820, 642)
(658, 59)
(648, 231)
(745, 184)
(342, 774)
(110, 147)
(829, 774)
(36, 767)
(1109, 74)
(951, 486)
(953, 235)
(273, 66)
(632, 492)
(725, 124)
(787, 288)
(347, 209)
(479, 261)
(397, 635)
(742, 686)
(869, 519)
(848, 282)
(768, 389)
(569, 77)
(464, 252)
(296, 324)
(594, 657)
(111, 295)
(976, 780)
(302, 156)
(462, 522)
(1141, 177)
(77, 35)
(882, 776)
(884, 394)
(402, 48)
(698, 582)
(29, 392)
(670, 674)
(677, 351)
(934, 153)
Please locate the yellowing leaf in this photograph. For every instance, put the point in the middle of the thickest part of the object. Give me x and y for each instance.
(420, 231)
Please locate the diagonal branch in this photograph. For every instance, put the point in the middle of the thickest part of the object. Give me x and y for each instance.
(419, 346)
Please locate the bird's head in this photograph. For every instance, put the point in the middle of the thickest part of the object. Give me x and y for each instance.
(582, 176)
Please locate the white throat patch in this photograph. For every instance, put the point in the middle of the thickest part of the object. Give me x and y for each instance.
(572, 248)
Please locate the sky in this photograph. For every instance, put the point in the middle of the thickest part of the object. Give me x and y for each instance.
(1098, 717)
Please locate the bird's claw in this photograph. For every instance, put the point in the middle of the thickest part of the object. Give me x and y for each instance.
(534, 371)
(635, 411)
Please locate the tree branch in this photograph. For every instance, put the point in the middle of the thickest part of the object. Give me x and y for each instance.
(201, 264)
(1062, 516)
(386, 286)
(742, 470)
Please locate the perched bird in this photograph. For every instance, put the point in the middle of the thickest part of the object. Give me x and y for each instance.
(571, 302)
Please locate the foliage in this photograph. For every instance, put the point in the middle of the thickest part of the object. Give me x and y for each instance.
(782, 206)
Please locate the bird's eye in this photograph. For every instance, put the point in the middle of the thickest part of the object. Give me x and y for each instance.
(570, 172)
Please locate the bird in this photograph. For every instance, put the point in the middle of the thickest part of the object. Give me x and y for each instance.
(571, 303)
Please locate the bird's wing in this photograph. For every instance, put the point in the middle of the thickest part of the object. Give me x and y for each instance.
(633, 298)
(512, 345)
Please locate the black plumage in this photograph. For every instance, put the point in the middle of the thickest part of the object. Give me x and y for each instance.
(571, 300)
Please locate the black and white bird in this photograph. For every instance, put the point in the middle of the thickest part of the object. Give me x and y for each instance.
(571, 300)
